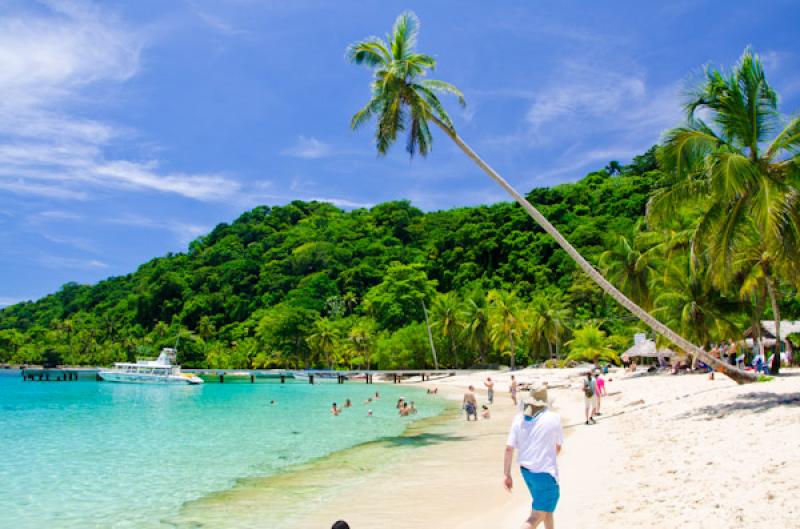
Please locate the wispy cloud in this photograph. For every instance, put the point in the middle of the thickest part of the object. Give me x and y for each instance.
(309, 148)
(56, 261)
(50, 63)
(215, 22)
(184, 232)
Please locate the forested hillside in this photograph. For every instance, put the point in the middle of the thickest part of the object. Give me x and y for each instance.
(307, 284)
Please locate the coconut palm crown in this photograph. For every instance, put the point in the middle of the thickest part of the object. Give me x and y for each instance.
(402, 100)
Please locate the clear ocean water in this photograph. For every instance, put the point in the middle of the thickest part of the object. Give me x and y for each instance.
(102, 455)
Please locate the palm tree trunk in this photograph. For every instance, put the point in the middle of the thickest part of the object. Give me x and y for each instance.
(775, 368)
(513, 353)
(734, 373)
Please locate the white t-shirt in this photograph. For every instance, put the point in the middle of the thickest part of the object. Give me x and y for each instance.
(536, 441)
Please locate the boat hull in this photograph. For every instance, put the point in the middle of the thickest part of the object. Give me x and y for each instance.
(143, 378)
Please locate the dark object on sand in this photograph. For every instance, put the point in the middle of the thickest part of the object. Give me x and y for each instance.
(341, 524)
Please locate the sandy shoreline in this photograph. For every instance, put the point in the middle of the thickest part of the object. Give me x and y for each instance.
(680, 451)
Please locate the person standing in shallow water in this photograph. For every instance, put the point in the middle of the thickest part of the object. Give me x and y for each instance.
(513, 389)
(470, 403)
(489, 383)
(537, 436)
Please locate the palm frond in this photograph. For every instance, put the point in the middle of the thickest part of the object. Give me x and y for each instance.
(787, 140)
(404, 35)
(371, 52)
(445, 88)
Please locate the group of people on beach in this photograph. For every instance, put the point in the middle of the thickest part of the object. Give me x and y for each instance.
(594, 389)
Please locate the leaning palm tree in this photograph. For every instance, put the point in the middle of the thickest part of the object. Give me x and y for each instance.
(403, 100)
(748, 181)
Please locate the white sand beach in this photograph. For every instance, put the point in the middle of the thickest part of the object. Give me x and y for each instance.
(670, 451)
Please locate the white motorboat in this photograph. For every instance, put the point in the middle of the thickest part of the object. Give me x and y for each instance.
(159, 371)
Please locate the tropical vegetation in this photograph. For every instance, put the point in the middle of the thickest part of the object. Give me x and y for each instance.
(698, 231)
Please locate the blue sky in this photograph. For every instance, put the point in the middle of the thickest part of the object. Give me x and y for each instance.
(128, 128)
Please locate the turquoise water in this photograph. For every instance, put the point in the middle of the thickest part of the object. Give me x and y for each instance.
(88, 454)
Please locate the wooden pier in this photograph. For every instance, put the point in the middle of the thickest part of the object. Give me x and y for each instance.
(223, 376)
(314, 376)
(56, 374)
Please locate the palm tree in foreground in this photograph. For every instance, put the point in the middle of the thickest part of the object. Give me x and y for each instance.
(404, 101)
(747, 180)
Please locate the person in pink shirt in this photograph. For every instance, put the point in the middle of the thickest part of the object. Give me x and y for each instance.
(599, 391)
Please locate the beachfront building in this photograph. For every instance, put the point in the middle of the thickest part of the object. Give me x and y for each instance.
(789, 333)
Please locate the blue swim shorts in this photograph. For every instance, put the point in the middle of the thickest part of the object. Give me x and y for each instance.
(543, 488)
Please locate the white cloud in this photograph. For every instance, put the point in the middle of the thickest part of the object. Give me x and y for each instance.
(309, 148)
(585, 91)
(52, 62)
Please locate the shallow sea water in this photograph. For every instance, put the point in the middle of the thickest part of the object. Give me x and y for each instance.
(102, 455)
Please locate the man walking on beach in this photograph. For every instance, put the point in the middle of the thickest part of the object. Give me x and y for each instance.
(589, 389)
(470, 403)
(537, 436)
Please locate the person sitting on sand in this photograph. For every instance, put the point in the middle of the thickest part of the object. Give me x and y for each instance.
(335, 410)
(485, 413)
(537, 436)
(513, 389)
(588, 398)
(489, 383)
(470, 403)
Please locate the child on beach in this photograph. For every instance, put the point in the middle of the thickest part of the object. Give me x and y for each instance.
(485, 413)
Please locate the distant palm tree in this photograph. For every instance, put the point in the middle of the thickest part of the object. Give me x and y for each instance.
(748, 180)
(446, 316)
(552, 313)
(403, 101)
(629, 265)
(505, 321)
(476, 325)
(690, 303)
(360, 338)
(323, 341)
(590, 344)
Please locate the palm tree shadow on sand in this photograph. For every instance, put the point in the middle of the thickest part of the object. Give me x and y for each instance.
(756, 402)
(420, 440)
